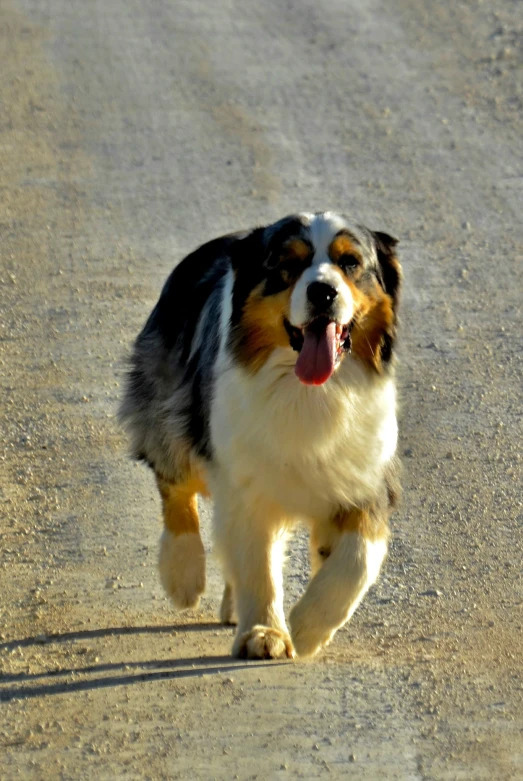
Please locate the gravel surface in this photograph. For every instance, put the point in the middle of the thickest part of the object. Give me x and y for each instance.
(130, 132)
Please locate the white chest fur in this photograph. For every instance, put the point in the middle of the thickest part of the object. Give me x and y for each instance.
(307, 449)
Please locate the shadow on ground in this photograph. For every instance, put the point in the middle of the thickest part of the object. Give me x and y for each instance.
(99, 676)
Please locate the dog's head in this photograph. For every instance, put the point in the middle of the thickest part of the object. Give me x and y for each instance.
(319, 285)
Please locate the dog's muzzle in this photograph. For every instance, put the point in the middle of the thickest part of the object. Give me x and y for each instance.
(320, 344)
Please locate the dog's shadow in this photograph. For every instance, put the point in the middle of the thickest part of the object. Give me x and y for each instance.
(22, 686)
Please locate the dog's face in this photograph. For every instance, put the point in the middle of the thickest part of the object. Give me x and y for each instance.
(317, 285)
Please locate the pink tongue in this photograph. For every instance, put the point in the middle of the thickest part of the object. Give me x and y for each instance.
(317, 357)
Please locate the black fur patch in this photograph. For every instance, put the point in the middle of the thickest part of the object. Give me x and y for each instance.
(389, 272)
(161, 364)
(389, 276)
(187, 289)
(199, 374)
(248, 258)
(256, 259)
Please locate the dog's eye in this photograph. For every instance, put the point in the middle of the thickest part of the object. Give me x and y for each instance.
(294, 259)
(348, 262)
(290, 269)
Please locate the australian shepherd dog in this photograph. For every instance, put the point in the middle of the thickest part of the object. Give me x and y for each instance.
(264, 378)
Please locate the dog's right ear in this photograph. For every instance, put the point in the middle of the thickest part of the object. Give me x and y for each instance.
(251, 249)
(263, 247)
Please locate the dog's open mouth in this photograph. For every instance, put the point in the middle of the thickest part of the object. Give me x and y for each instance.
(320, 345)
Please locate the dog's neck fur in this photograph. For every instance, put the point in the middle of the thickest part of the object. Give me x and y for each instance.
(334, 440)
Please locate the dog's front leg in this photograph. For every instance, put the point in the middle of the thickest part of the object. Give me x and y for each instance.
(354, 545)
(250, 546)
(182, 555)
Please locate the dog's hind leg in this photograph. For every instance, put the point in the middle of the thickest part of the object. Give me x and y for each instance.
(352, 548)
(182, 556)
(227, 614)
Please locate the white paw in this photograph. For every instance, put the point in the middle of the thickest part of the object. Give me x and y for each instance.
(263, 642)
(182, 568)
(308, 636)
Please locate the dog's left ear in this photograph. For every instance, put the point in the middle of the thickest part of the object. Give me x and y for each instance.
(389, 275)
(389, 265)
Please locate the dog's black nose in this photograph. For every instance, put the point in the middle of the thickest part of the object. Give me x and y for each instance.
(321, 295)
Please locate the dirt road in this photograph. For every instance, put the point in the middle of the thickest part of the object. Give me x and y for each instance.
(130, 132)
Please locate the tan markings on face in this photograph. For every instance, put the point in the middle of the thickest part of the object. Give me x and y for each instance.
(343, 246)
(293, 255)
(373, 319)
(261, 327)
(371, 524)
(295, 249)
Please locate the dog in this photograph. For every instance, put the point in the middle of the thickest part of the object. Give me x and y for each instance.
(264, 377)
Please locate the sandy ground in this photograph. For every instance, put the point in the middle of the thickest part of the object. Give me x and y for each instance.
(131, 132)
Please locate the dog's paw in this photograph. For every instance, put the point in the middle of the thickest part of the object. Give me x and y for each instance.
(308, 636)
(182, 568)
(263, 642)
